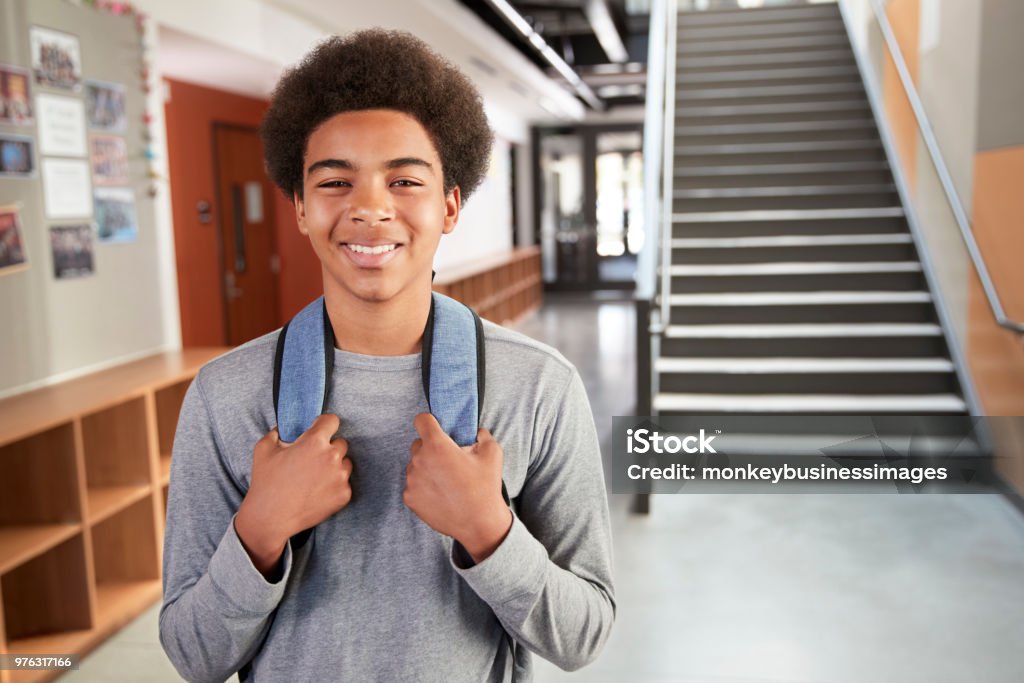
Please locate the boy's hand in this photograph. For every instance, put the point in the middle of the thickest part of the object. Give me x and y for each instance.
(293, 487)
(457, 490)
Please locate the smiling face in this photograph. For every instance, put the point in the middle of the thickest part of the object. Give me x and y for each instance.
(374, 206)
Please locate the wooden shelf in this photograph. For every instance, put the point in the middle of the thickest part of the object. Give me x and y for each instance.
(105, 501)
(35, 411)
(19, 544)
(164, 475)
(83, 496)
(117, 602)
(500, 288)
(65, 642)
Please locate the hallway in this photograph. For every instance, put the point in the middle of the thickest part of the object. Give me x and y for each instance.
(745, 588)
(824, 588)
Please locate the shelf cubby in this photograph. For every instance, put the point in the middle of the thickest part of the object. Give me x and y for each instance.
(116, 458)
(39, 495)
(168, 406)
(83, 497)
(46, 605)
(127, 563)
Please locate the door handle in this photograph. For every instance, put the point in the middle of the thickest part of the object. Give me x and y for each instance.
(239, 224)
(231, 291)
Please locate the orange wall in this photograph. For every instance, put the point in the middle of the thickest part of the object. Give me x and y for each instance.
(190, 113)
(996, 355)
(905, 18)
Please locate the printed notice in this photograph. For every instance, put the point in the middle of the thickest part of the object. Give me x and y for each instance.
(61, 125)
(66, 188)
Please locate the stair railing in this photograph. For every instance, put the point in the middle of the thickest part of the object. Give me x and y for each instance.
(932, 145)
(659, 127)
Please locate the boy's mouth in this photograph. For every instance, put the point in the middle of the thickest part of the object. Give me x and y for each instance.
(370, 255)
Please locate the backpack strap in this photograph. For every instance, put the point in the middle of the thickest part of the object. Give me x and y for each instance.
(453, 368)
(303, 362)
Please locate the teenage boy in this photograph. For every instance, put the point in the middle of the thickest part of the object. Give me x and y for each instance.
(416, 569)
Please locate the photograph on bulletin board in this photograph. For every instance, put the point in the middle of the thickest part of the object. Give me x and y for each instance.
(15, 98)
(56, 58)
(108, 156)
(116, 220)
(16, 156)
(12, 247)
(105, 105)
(72, 250)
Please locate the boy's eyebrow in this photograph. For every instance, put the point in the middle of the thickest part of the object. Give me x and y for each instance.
(343, 164)
(346, 165)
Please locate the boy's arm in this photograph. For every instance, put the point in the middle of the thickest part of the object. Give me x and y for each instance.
(217, 605)
(549, 582)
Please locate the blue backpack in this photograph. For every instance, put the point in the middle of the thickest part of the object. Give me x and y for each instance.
(453, 371)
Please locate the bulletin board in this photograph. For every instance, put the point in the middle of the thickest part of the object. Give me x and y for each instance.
(79, 272)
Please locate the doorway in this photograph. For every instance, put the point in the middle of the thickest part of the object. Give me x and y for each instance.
(249, 259)
(589, 215)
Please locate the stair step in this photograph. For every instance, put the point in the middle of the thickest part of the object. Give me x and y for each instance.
(772, 147)
(810, 91)
(785, 191)
(788, 241)
(745, 31)
(743, 339)
(762, 45)
(802, 109)
(699, 404)
(793, 268)
(689, 200)
(815, 169)
(851, 443)
(840, 71)
(839, 298)
(786, 215)
(824, 56)
(803, 331)
(771, 128)
(733, 17)
(802, 365)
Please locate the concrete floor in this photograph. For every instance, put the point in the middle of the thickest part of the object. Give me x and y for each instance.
(758, 588)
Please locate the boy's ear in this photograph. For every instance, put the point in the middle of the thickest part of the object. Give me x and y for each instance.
(452, 206)
(300, 212)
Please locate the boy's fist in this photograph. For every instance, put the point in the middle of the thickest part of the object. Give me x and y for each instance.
(294, 486)
(457, 490)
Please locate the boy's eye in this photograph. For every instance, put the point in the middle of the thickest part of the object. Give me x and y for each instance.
(333, 183)
(404, 182)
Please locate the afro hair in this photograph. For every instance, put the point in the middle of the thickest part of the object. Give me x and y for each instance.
(377, 69)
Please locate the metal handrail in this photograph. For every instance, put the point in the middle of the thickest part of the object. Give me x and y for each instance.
(667, 160)
(646, 275)
(928, 135)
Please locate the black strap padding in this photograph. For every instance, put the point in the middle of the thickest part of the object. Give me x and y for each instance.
(278, 360)
(426, 352)
(328, 357)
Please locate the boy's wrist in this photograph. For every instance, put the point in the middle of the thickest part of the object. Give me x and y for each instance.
(484, 538)
(260, 542)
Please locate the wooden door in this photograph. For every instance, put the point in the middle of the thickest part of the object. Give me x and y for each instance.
(246, 222)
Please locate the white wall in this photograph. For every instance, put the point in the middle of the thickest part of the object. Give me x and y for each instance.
(246, 43)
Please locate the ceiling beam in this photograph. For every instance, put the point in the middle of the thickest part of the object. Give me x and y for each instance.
(514, 19)
(600, 17)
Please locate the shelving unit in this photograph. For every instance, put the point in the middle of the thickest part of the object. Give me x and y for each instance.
(83, 497)
(501, 289)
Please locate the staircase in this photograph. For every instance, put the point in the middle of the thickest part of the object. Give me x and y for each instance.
(795, 285)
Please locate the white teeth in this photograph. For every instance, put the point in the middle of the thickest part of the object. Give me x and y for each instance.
(382, 249)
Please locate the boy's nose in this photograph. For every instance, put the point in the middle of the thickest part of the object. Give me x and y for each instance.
(371, 205)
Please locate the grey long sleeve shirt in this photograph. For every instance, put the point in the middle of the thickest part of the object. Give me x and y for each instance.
(375, 594)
